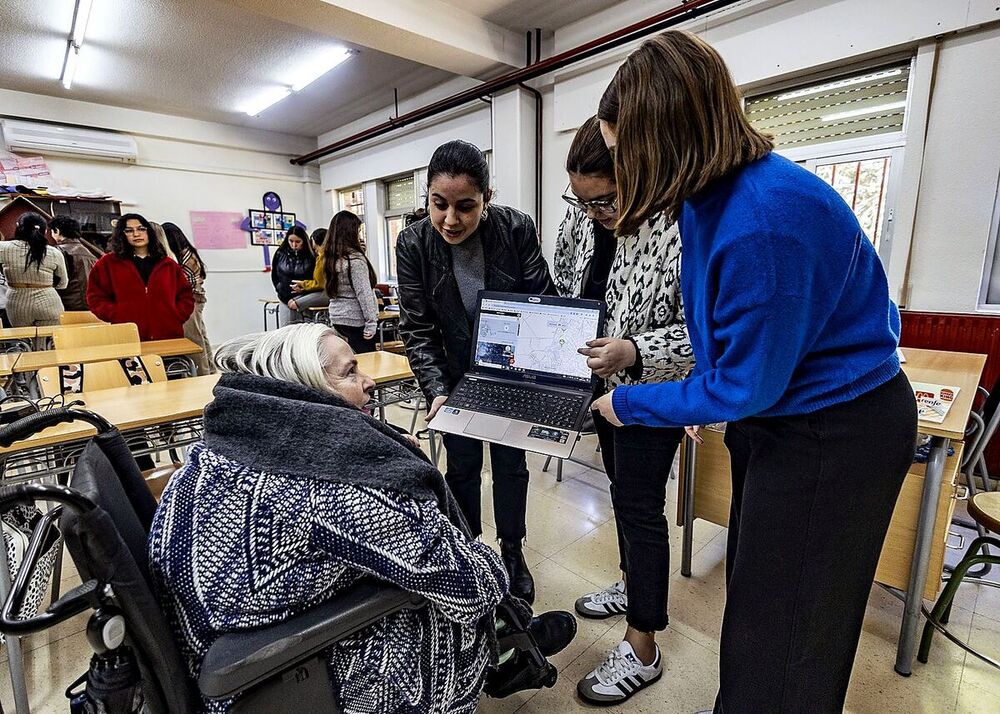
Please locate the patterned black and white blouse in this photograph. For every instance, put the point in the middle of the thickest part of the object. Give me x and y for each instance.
(643, 293)
(232, 548)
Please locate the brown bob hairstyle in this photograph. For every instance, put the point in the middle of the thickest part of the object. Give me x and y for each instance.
(588, 154)
(679, 125)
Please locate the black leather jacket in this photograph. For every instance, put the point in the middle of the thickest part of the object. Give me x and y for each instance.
(432, 319)
(289, 265)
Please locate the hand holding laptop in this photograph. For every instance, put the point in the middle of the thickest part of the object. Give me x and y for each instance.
(608, 355)
(435, 405)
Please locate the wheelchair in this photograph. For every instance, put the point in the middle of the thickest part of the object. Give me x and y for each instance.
(105, 516)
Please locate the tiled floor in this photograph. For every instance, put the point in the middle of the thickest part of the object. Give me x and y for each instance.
(571, 550)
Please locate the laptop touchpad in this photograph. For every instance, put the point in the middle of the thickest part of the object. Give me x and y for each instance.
(487, 426)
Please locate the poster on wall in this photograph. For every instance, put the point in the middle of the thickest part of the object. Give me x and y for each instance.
(269, 227)
(217, 230)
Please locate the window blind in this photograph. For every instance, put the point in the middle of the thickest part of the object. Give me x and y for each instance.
(863, 104)
(399, 194)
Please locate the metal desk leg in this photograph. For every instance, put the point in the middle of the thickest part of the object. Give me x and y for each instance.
(188, 360)
(687, 539)
(433, 445)
(909, 628)
(15, 655)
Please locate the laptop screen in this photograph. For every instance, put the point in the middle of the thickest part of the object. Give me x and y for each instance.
(536, 338)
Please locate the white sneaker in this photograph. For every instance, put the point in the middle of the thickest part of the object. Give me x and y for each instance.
(619, 677)
(605, 603)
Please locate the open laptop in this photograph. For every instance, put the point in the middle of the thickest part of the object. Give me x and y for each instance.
(527, 387)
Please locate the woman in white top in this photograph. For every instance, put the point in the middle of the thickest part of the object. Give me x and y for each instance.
(34, 271)
(350, 281)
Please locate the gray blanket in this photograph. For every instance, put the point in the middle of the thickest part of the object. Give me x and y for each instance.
(287, 428)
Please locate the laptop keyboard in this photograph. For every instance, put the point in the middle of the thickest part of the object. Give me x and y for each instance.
(515, 402)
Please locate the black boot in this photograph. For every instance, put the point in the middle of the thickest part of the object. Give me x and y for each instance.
(553, 631)
(522, 585)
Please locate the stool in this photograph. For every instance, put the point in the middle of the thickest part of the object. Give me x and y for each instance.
(984, 508)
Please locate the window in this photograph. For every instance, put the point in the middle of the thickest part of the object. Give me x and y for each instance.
(400, 199)
(849, 131)
(353, 200)
(864, 104)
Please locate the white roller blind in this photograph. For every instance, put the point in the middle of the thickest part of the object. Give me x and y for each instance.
(863, 104)
(399, 193)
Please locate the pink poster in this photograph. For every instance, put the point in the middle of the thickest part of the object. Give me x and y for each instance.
(217, 230)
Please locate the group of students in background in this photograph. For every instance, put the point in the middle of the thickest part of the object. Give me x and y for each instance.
(328, 268)
(151, 275)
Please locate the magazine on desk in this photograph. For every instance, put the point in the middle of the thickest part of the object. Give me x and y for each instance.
(933, 401)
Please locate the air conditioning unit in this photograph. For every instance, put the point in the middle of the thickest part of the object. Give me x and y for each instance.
(28, 137)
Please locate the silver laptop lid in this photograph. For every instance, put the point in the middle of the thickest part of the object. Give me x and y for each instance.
(535, 338)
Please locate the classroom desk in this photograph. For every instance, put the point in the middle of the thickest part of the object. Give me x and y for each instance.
(923, 510)
(270, 307)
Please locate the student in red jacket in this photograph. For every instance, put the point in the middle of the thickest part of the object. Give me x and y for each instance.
(137, 282)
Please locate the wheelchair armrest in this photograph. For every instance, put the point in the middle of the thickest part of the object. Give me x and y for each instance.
(240, 660)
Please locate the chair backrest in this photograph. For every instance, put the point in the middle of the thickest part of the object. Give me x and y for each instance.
(70, 379)
(109, 544)
(78, 317)
(95, 335)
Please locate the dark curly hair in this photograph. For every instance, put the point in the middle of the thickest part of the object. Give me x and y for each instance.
(120, 246)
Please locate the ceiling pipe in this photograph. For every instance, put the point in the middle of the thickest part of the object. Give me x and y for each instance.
(682, 13)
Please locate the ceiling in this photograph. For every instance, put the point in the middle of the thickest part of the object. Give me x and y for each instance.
(207, 59)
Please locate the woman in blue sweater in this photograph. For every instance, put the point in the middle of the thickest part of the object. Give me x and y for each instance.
(794, 336)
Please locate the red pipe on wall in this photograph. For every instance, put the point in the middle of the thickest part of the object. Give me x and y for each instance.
(683, 12)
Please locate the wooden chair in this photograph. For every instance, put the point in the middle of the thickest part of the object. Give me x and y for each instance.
(79, 317)
(984, 508)
(95, 335)
(68, 379)
(108, 375)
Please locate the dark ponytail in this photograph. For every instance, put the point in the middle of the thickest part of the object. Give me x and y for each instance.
(460, 158)
(31, 229)
(588, 154)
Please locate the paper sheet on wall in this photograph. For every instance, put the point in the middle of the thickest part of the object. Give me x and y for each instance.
(933, 401)
(217, 230)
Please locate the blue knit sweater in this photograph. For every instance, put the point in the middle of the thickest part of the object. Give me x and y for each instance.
(786, 301)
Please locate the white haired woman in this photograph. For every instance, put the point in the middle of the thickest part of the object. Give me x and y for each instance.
(261, 524)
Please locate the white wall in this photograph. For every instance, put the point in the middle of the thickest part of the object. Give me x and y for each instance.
(187, 165)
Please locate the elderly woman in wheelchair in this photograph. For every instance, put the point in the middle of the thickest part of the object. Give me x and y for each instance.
(296, 494)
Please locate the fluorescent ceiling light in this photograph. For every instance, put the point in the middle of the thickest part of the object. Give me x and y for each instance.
(69, 65)
(862, 111)
(840, 84)
(266, 99)
(317, 69)
(80, 19)
(306, 76)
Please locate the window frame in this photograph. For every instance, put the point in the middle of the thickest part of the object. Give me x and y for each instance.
(394, 214)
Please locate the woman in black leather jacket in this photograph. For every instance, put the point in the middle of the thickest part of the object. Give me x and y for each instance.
(467, 244)
(294, 260)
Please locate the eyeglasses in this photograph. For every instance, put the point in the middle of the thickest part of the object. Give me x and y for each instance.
(605, 204)
(134, 231)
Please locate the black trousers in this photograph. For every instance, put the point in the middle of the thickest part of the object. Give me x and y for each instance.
(510, 485)
(355, 337)
(637, 460)
(812, 499)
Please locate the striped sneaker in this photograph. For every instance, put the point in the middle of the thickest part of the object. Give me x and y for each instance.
(619, 677)
(608, 602)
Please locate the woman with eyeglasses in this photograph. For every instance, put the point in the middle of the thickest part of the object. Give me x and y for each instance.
(646, 341)
(137, 282)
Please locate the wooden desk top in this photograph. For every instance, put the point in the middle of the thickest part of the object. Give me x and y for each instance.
(389, 315)
(34, 361)
(954, 369)
(129, 408)
(267, 301)
(18, 333)
(384, 366)
(170, 348)
(7, 362)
